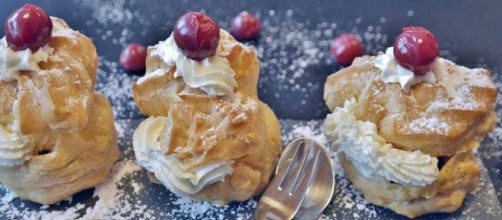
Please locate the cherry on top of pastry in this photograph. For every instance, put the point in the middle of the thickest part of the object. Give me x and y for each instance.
(133, 57)
(416, 49)
(245, 26)
(345, 48)
(28, 27)
(197, 35)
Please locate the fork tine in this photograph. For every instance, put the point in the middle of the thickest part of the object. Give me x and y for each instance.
(299, 169)
(302, 187)
(282, 173)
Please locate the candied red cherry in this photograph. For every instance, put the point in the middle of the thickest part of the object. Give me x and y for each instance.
(245, 26)
(416, 49)
(133, 57)
(28, 27)
(197, 35)
(345, 48)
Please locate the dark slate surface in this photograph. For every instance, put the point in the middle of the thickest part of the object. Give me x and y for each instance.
(469, 30)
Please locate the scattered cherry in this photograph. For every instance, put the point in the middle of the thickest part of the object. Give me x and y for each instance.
(345, 48)
(133, 57)
(28, 27)
(245, 26)
(416, 49)
(197, 35)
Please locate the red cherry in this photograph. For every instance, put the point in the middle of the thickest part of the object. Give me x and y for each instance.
(345, 48)
(416, 48)
(133, 57)
(28, 27)
(245, 26)
(197, 35)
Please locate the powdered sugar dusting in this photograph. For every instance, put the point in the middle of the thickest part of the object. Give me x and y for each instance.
(459, 83)
(307, 131)
(11, 211)
(293, 51)
(290, 50)
(109, 194)
(60, 31)
(117, 13)
(476, 78)
(110, 199)
(431, 124)
(116, 85)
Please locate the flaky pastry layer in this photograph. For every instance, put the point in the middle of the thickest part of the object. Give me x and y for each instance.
(203, 128)
(71, 126)
(458, 177)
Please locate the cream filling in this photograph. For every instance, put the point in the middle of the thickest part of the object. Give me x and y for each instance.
(16, 148)
(214, 75)
(371, 155)
(177, 176)
(11, 62)
(392, 72)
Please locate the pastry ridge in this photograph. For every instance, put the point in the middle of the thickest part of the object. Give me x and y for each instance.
(77, 160)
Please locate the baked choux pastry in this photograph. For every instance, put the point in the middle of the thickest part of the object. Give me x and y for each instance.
(57, 135)
(405, 138)
(208, 136)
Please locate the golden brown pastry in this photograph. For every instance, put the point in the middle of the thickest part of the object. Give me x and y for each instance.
(458, 176)
(439, 119)
(392, 142)
(201, 145)
(57, 135)
(157, 92)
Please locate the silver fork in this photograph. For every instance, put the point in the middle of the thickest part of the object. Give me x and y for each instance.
(285, 194)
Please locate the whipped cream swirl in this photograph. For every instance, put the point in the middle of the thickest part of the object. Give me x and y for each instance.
(177, 176)
(392, 72)
(11, 62)
(14, 148)
(371, 155)
(214, 75)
